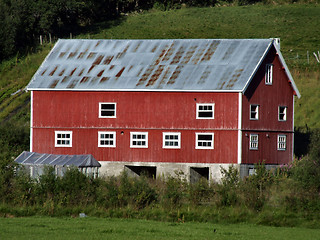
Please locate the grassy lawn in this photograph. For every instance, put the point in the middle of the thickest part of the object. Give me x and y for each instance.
(105, 228)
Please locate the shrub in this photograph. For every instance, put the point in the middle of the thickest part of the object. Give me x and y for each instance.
(255, 188)
(228, 188)
(201, 192)
(144, 193)
(174, 191)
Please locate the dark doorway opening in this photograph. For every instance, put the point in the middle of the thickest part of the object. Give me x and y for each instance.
(146, 171)
(198, 173)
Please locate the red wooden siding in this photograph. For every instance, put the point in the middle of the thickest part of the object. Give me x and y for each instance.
(269, 98)
(225, 146)
(152, 112)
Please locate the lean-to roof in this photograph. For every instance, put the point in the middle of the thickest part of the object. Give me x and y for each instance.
(33, 158)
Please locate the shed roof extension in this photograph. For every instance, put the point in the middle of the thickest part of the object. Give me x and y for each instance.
(33, 158)
(153, 65)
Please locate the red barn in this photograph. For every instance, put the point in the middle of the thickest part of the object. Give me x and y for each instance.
(162, 106)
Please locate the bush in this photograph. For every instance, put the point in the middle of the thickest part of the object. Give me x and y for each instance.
(144, 193)
(228, 189)
(255, 188)
(201, 192)
(174, 191)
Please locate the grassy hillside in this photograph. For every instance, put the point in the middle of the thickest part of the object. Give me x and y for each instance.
(297, 25)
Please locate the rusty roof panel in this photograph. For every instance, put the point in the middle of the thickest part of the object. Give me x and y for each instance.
(171, 64)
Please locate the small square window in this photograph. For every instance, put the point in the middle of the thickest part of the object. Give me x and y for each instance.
(106, 139)
(171, 140)
(139, 140)
(269, 73)
(254, 142)
(254, 112)
(205, 110)
(107, 110)
(204, 140)
(63, 139)
(282, 111)
(282, 142)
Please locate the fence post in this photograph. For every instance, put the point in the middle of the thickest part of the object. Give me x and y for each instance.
(40, 39)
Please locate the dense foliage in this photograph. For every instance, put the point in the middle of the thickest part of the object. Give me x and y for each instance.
(282, 197)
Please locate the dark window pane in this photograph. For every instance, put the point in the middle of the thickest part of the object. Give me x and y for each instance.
(107, 113)
(205, 137)
(206, 114)
(108, 106)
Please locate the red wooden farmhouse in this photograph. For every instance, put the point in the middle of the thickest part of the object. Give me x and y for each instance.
(160, 106)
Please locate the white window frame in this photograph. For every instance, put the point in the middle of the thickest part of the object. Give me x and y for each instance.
(204, 141)
(100, 138)
(282, 113)
(269, 74)
(171, 140)
(199, 111)
(282, 143)
(57, 138)
(254, 142)
(101, 110)
(132, 139)
(255, 111)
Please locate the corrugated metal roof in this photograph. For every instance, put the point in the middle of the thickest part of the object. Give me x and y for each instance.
(33, 158)
(180, 64)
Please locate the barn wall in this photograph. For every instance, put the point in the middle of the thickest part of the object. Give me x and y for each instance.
(268, 97)
(151, 112)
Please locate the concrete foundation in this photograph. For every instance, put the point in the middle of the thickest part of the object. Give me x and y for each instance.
(249, 169)
(190, 171)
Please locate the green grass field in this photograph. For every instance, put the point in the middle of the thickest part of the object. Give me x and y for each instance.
(105, 228)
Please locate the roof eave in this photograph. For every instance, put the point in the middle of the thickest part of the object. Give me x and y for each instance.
(293, 84)
(272, 43)
(133, 90)
(257, 67)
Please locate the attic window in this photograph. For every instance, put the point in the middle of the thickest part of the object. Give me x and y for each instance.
(269, 73)
(63, 138)
(107, 110)
(254, 112)
(282, 111)
(205, 110)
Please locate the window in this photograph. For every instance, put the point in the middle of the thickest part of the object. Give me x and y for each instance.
(139, 140)
(171, 140)
(107, 110)
(254, 140)
(282, 142)
(254, 112)
(269, 73)
(282, 113)
(204, 140)
(63, 139)
(106, 139)
(205, 110)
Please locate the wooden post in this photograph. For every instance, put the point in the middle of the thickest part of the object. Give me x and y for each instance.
(40, 39)
(50, 37)
(70, 35)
